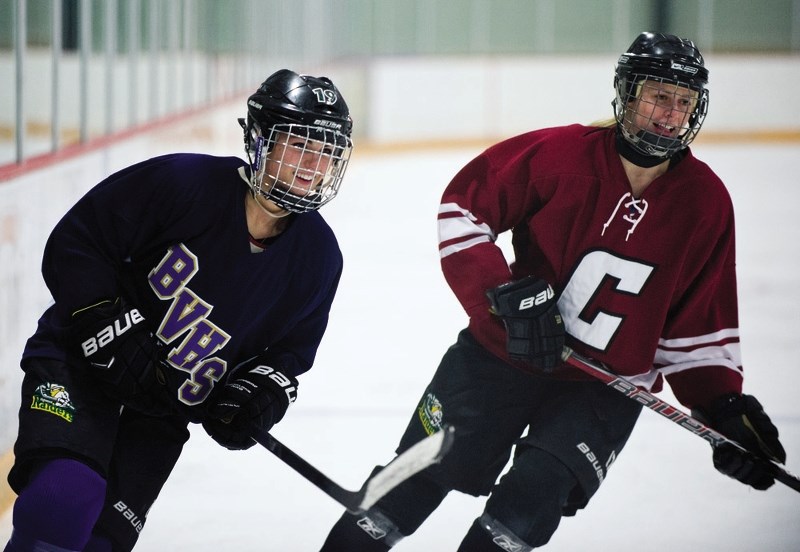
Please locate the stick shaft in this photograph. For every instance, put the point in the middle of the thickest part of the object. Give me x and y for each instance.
(668, 411)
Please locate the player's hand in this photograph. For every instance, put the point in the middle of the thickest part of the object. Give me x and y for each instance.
(534, 327)
(255, 394)
(122, 353)
(741, 418)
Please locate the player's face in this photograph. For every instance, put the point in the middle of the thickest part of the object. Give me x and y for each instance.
(298, 164)
(661, 108)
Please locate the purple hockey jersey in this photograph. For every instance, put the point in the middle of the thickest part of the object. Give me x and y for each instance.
(170, 235)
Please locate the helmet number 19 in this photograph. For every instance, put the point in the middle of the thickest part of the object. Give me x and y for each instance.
(325, 95)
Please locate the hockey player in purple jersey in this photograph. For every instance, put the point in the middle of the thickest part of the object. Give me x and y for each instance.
(187, 288)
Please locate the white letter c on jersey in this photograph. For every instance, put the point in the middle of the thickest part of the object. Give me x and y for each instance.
(584, 283)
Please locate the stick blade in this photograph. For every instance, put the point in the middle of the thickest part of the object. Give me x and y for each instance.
(425, 453)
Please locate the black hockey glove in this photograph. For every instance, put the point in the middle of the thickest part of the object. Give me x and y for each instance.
(122, 353)
(535, 330)
(255, 394)
(741, 418)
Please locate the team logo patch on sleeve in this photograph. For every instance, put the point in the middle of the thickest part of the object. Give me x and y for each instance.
(430, 414)
(53, 398)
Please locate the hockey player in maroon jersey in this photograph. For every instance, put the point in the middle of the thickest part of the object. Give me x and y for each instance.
(187, 288)
(624, 250)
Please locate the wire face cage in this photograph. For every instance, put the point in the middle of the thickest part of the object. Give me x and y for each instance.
(658, 116)
(300, 167)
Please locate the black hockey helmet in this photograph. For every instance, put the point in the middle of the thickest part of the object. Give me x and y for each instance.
(297, 111)
(662, 55)
(287, 97)
(663, 58)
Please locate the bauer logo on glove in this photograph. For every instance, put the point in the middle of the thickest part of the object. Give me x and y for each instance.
(287, 384)
(539, 299)
(534, 327)
(125, 321)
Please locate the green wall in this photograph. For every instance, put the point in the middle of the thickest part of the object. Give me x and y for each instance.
(353, 28)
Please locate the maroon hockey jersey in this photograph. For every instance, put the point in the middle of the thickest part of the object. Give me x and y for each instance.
(647, 285)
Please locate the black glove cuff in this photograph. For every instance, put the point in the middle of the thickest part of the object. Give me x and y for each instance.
(253, 389)
(731, 404)
(98, 331)
(257, 376)
(742, 418)
(534, 328)
(527, 298)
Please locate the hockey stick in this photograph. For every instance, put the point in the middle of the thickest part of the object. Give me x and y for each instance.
(671, 413)
(428, 451)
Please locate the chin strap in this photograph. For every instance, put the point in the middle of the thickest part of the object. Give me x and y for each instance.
(243, 174)
(282, 214)
(639, 159)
